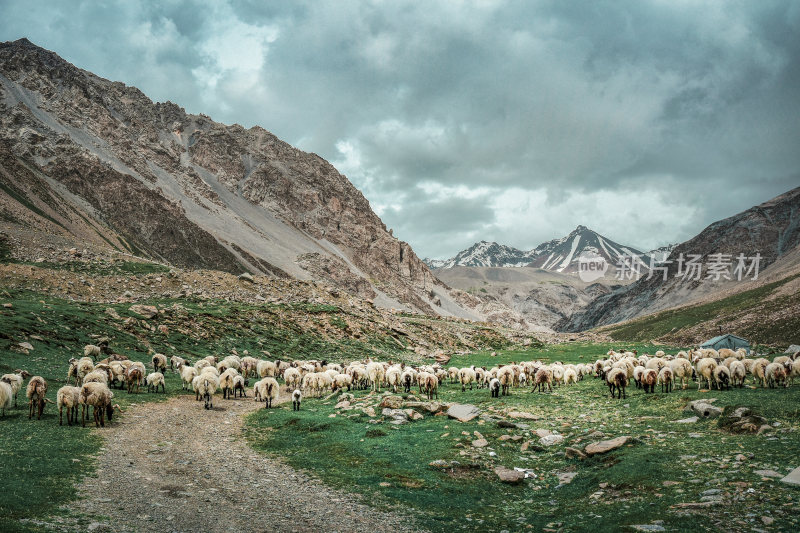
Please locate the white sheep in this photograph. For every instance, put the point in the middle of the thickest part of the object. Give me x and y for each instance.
(393, 376)
(775, 374)
(570, 376)
(15, 380)
(6, 397)
(176, 362)
(69, 397)
(758, 369)
(85, 365)
(375, 372)
(205, 385)
(159, 361)
(666, 379)
(494, 387)
(226, 382)
(188, 373)
(466, 376)
(267, 391)
(90, 350)
(153, 380)
(341, 381)
(738, 373)
(296, 397)
(722, 377)
(292, 377)
(705, 371)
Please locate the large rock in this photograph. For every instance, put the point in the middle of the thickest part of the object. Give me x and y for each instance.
(463, 412)
(392, 402)
(605, 446)
(704, 409)
(147, 311)
(793, 478)
(507, 475)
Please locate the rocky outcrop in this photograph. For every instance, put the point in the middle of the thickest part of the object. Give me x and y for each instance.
(150, 179)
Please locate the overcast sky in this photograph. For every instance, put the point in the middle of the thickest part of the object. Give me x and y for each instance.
(488, 120)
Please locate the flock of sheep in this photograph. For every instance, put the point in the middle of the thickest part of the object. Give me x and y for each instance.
(94, 379)
(721, 369)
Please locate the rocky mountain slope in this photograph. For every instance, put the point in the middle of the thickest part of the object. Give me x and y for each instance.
(771, 230)
(544, 298)
(99, 164)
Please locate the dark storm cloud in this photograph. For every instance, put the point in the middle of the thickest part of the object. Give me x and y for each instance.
(461, 121)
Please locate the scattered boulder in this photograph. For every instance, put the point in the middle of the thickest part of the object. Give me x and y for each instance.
(506, 424)
(690, 420)
(392, 402)
(508, 475)
(463, 412)
(605, 446)
(742, 420)
(551, 440)
(480, 443)
(768, 473)
(648, 527)
(147, 311)
(574, 453)
(543, 432)
(565, 478)
(247, 276)
(398, 416)
(793, 478)
(26, 346)
(705, 409)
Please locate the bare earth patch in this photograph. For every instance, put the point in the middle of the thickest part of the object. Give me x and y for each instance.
(173, 466)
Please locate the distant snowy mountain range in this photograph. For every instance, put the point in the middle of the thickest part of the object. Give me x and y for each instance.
(558, 255)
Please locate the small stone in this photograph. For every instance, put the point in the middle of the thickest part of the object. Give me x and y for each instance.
(740, 457)
(480, 443)
(768, 473)
(767, 520)
(508, 475)
(463, 412)
(505, 437)
(25, 345)
(439, 463)
(690, 420)
(574, 453)
(506, 424)
(147, 311)
(648, 527)
(385, 484)
(524, 446)
(543, 432)
(551, 440)
(565, 478)
(606, 445)
(523, 415)
(246, 276)
(8, 306)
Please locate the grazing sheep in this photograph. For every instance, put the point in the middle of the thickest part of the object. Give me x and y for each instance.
(705, 371)
(188, 373)
(775, 374)
(69, 397)
(638, 372)
(722, 377)
(494, 387)
(15, 380)
(758, 369)
(36, 391)
(205, 385)
(239, 386)
(226, 382)
(505, 375)
(681, 369)
(649, 380)
(176, 362)
(738, 373)
(90, 350)
(133, 378)
(85, 365)
(466, 376)
(407, 378)
(153, 380)
(99, 396)
(96, 376)
(117, 373)
(570, 376)
(795, 372)
(375, 371)
(617, 380)
(393, 376)
(666, 379)
(6, 397)
(267, 369)
(159, 361)
(267, 390)
(544, 376)
(292, 377)
(296, 397)
(341, 381)
(431, 386)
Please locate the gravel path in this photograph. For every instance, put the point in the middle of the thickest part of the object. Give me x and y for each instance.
(173, 466)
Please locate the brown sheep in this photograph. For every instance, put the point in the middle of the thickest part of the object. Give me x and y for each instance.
(649, 380)
(36, 391)
(543, 377)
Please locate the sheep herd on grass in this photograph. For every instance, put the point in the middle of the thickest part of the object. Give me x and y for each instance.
(230, 376)
(716, 369)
